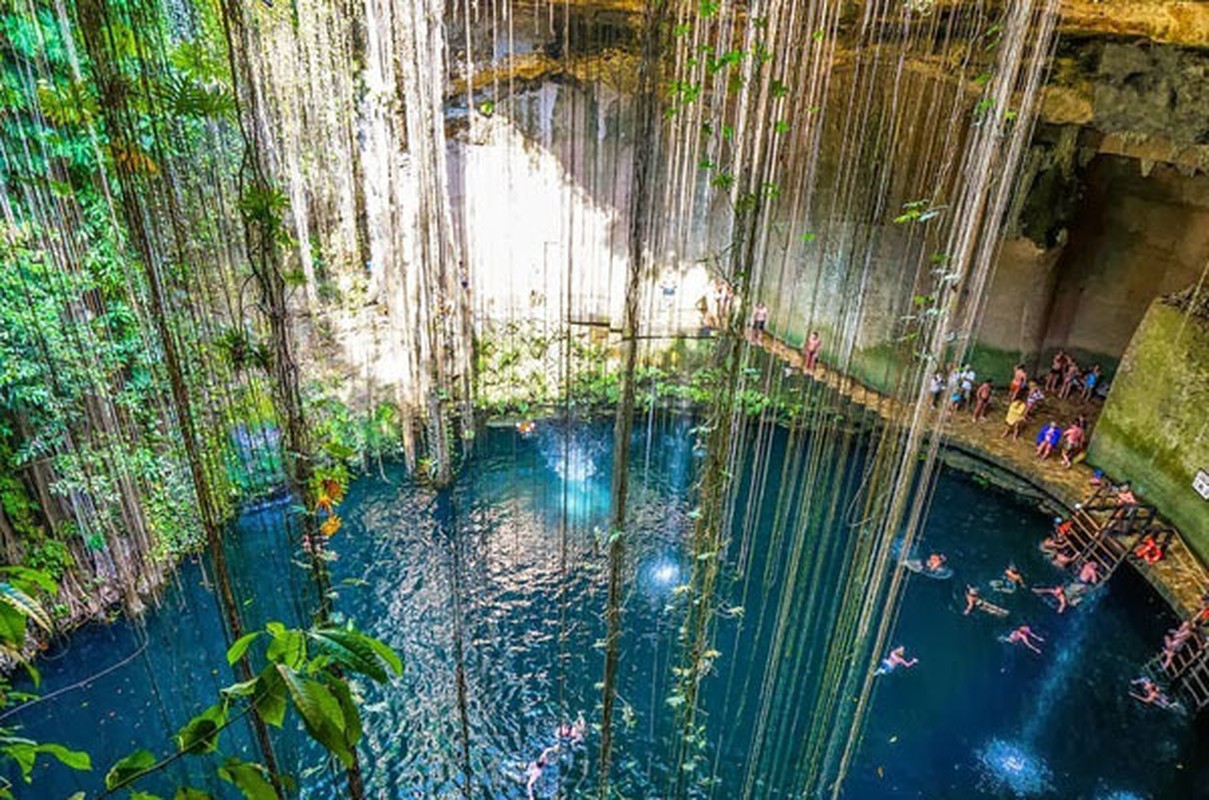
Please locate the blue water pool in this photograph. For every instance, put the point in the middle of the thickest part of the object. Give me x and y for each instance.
(502, 579)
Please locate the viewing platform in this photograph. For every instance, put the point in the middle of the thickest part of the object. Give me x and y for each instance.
(1179, 577)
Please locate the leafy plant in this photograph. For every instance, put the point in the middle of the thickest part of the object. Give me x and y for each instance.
(305, 672)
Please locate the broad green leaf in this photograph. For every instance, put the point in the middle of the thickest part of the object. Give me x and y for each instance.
(386, 653)
(240, 647)
(321, 713)
(27, 578)
(348, 706)
(241, 689)
(349, 649)
(200, 734)
(144, 796)
(271, 700)
(128, 769)
(72, 759)
(14, 597)
(251, 779)
(288, 648)
(185, 793)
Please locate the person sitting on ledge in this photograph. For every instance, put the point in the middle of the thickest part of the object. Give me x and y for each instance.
(1089, 573)
(1149, 550)
(1072, 444)
(1047, 439)
(1057, 592)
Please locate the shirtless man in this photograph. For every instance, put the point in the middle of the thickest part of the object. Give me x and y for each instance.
(1072, 443)
(1024, 635)
(1019, 382)
(982, 400)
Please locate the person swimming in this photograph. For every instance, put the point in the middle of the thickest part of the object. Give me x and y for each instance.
(1024, 636)
(973, 600)
(1151, 693)
(1013, 576)
(934, 562)
(573, 732)
(897, 658)
(1057, 592)
(533, 773)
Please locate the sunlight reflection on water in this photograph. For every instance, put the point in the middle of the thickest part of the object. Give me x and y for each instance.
(1008, 767)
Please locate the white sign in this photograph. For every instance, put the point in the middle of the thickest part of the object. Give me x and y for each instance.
(1201, 483)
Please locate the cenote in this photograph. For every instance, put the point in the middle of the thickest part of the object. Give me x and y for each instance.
(603, 399)
(498, 582)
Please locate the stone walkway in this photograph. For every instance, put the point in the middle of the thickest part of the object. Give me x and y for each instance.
(1180, 577)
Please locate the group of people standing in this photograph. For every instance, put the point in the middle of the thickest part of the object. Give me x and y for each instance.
(1026, 397)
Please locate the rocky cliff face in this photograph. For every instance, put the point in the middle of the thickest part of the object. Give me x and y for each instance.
(1153, 429)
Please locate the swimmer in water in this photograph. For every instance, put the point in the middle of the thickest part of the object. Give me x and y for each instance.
(897, 658)
(1151, 693)
(1057, 592)
(574, 732)
(534, 772)
(973, 599)
(1024, 635)
(1013, 576)
(934, 562)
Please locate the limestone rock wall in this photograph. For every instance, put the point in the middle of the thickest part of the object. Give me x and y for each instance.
(1155, 427)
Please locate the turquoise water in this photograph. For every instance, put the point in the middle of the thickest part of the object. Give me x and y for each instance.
(501, 580)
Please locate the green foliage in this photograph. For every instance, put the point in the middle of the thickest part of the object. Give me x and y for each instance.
(304, 670)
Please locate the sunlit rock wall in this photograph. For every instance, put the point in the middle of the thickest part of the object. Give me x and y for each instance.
(1155, 428)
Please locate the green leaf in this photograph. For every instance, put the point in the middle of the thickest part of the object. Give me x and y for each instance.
(350, 650)
(386, 653)
(144, 796)
(321, 713)
(72, 759)
(251, 779)
(200, 734)
(288, 647)
(128, 769)
(237, 650)
(272, 698)
(352, 717)
(185, 793)
(12, 596)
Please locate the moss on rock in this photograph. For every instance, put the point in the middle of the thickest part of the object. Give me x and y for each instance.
(1153, 430)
